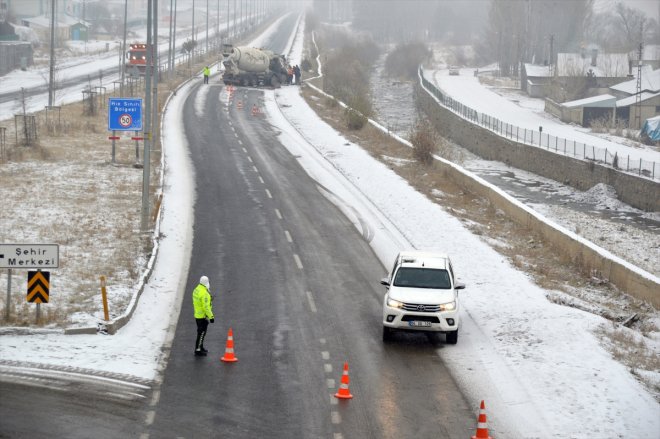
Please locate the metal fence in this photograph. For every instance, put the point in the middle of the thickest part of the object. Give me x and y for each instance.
(539, 139)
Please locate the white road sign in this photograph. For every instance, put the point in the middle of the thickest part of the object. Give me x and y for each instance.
(24, 256)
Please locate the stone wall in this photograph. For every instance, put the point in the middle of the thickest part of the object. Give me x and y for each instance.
(638, 192)
(580, 174)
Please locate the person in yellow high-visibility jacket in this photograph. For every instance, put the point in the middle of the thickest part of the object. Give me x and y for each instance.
(203, 306)
(206, 73)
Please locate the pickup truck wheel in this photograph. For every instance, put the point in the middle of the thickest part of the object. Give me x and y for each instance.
(387, 334)
(452, 337)
(274, 82)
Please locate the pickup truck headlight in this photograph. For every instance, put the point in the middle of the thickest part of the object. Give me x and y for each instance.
(394, 303)
(451, 306)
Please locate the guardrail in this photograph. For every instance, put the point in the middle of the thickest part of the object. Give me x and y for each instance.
(559, 145)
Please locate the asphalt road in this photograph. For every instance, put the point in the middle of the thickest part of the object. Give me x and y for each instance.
(38, 401)
(299, 286)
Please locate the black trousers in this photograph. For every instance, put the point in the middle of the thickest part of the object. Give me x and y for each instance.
(206, 79)
(202, 325)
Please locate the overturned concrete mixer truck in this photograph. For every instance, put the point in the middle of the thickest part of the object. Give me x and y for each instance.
(249, 66)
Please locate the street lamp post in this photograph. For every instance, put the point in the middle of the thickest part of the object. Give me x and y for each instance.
(122, 64)
(207, 27)
(194, 39)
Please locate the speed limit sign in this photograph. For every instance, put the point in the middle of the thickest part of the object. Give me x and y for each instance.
(125, 114)
(125, 120)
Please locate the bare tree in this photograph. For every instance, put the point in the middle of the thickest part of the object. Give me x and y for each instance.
(622, 29)
(634, 24)
(533, 31)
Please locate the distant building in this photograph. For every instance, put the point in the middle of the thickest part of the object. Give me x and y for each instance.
(649, 97)
(575, 76)
(536, 80)
(41, 26)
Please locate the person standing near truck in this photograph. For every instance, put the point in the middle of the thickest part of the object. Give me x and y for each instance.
(206, 72)
(203, 306)
(296, 73)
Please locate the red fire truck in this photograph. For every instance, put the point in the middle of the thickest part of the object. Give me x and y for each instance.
(137, 58)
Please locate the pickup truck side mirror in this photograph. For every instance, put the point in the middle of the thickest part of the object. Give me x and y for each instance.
(459, 286)
(385, 281)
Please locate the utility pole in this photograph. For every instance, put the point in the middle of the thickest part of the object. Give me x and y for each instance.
(192, 52)
(207, 27)
(144, 221)
(234, 29)
(51, 74)
(154, 85)
(227, 18)
(122, 64)
(638, 92)
(170, 49)
(174, 37)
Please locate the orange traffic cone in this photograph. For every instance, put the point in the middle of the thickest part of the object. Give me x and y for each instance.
(255, 110)
(239, 105)
(343, 391)
(482, 428)
(229, 349)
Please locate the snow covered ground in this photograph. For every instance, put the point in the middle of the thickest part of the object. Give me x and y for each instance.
(596, 214)
(467, 89)
(539, 366)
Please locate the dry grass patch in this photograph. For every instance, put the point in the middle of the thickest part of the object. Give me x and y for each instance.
(65, 190)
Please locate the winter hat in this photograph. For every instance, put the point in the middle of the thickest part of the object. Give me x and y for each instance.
(205, 281)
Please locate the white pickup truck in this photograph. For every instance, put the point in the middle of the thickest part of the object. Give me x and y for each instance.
(422, 295)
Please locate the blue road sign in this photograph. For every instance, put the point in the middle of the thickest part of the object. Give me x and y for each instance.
(125, 114)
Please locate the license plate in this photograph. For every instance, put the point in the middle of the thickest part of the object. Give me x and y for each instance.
(419, 323)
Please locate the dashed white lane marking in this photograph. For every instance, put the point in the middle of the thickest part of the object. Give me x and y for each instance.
(250, 159)
(322, 340)
(330, 382)
(298, 261)
(288, 236)
(338, 436)
(325, 355)
(277, 212)
(261, 180)
(333, 400)
(151, 415)
(244, 150)
(310, 299)
(144, 436)
(230, 123)
(327, 367)
(233, 129)
(268, 193)
(336, 418)
(240, 142)
(155, 398)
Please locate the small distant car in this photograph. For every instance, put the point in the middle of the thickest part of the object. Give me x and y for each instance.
(422, 295)
(454, 71)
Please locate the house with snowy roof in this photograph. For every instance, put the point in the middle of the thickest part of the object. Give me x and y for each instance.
(535, 79)
(575, 76)
(638, 100)
(622, 102)
(41, 26)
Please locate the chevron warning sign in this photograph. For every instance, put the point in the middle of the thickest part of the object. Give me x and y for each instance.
(38, 286)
